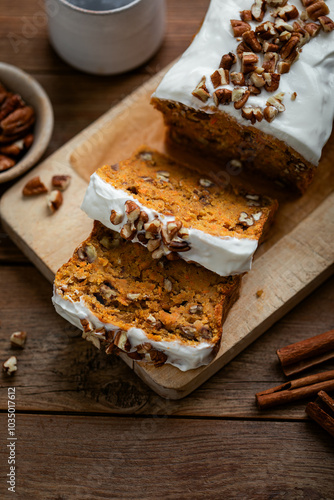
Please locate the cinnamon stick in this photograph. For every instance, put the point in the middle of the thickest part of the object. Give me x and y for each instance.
(295, 390)
(297, 357)
(321, 414)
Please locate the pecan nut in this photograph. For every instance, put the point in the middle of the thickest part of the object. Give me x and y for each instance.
(6, 163)
(33, 187)
(18, 121)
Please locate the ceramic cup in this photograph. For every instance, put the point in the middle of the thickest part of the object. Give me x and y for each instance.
(106, 37)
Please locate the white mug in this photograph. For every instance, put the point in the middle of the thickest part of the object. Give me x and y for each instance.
(106, 42)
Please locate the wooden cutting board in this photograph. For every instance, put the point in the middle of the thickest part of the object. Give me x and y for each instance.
(296, 258)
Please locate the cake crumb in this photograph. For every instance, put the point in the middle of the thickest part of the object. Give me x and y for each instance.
(259, 293)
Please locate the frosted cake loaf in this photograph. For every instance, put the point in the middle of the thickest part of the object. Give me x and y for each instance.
(177, 212)
(257, 84)
(155, 311)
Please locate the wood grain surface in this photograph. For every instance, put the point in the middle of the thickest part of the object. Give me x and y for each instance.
(87, 427)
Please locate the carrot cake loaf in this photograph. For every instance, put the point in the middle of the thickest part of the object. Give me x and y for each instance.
(156, 311)
(256, 84)
(177, 212)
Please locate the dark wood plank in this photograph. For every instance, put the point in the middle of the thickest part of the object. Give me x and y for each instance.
(66, 457)
(60, 372)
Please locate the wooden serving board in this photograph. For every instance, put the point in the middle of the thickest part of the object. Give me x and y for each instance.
(296, 258)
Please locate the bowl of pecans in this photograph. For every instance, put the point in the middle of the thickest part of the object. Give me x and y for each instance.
(26, 122)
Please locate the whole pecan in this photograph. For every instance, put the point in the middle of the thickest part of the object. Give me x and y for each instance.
(11, 102)
(18, 121)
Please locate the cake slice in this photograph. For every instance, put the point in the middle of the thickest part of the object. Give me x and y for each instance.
(256, 84)
(179, 213)
(155, 311)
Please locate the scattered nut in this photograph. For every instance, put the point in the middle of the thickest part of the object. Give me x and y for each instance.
(270, 113)
(222, 96)
(168, 285)
(220, 77)
(132, 210)
(54, 200)
(61, 182)
(201, 91)
(33, 187)
(294, 96)
(239, 27)
(326, 23)
(258, 10)
(227, 61)
(10, 366)
(116, 218)
(18, 339)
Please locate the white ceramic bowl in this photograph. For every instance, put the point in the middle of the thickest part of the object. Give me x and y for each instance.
(106, 42)
(20, 82)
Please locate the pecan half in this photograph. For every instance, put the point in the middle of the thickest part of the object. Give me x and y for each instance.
(11, 102)
(289, 51)
(132, 210)
(243, 47)
(317, 9)
(18, 121)
(33, 187)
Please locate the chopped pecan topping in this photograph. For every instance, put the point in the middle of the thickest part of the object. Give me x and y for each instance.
(222, 96)
(240, 96)
(326, 23)
(277, 3)
(249, 61)
(237, 78)
(281, 26)
(250, 38)
(270, 113)
(277, 101)
(270, 60)
(258, 10)
(293, 96)
(128, 231)
(201, 91)
(257, 80)
(153, 245)
(228, 60)
(158, 358)
(153, 227)
(270, 47)
(132, 210)
(121, 341)
(289, 51)
(288, 12)
(116, 218)
(253, 114)
(272, 81)
(246, 15)
(285, 36)
(312, 28)
(178, 245)
(317, 9)
(243, 47)
(283, 67)
(239, 27)
(220, 77)
(266, 30)
(254, 90)
(33, 187)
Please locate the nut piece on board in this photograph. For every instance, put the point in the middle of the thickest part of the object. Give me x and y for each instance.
(10, 366)
(54, 200)
(18, 339)
(61, 182)
(33, 187)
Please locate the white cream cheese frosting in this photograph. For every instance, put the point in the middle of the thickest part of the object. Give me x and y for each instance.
(182, 356)
(306, 123)
(225, 256)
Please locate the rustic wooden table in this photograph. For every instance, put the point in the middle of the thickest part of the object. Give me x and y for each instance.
(86, 426)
